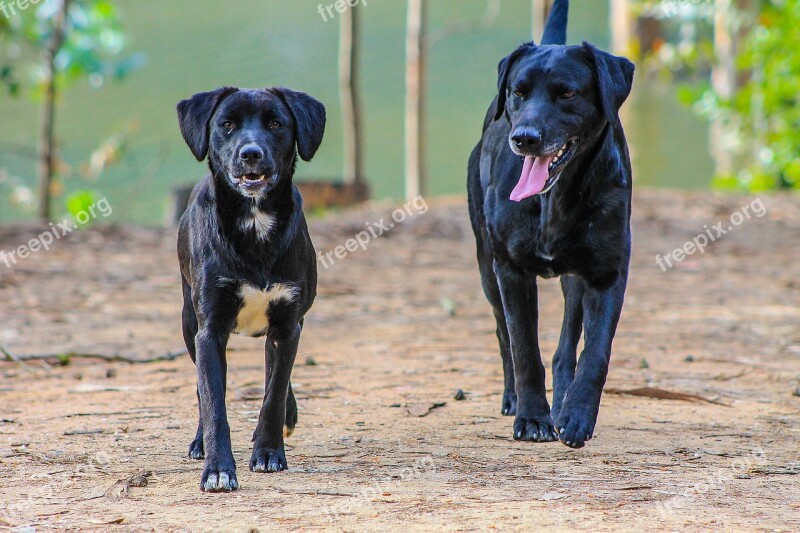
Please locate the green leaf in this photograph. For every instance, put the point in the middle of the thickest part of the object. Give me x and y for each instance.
(78, 205)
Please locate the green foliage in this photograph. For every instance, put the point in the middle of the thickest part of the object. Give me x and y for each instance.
(763, 117)
(78, 203)
(92, 48)
(767, 110)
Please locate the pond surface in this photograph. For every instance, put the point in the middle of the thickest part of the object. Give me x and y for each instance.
(203, 44)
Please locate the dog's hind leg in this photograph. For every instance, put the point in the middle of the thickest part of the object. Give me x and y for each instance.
(565, 358)
(269, 454)
(492, 291)
(291, 406)
(291, 413)
(189, 322)
(509, 407)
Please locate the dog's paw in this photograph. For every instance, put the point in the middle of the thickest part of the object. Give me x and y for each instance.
(539, 429)
(222, 480)
(575, 426)
(268, 460)
(196, 449)
(509, 407)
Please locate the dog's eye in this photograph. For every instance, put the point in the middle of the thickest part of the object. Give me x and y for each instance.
(228, 125)
(566, 95)
(274, 124)
(518, 93)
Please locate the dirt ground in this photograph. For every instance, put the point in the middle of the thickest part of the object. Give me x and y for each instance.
(396, 330)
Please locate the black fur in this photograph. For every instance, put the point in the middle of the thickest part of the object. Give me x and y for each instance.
(244, 227)
(577, 228)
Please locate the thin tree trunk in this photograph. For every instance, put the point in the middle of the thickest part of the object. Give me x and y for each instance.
(47, 149)
(733, 20)
(622, 26)
(539, 11)
(415, 98)
(350, 98)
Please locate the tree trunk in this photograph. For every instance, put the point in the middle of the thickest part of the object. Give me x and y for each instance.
(622, 26)
(539, 11)
(733, 21)
(47, 149)
(415, 98)
(350, 98)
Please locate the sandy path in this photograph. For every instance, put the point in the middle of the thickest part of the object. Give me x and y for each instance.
(398, 328)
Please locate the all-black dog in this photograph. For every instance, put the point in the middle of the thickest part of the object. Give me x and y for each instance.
(247, 262)
(550, 195)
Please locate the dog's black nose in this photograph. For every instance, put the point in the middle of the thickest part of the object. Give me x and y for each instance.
(250, 153)
(526, 138)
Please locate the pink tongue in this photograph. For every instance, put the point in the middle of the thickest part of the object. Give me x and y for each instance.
(533, 177)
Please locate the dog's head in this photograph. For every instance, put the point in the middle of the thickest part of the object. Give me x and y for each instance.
(252, 137)
(557, 99)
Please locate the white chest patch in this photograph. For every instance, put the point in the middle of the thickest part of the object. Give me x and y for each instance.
(260, 222)
(253, 319)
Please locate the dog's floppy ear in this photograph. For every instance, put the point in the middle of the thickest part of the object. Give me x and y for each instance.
(503, 68)
(309, 120)
(614, 80)
(194, 115)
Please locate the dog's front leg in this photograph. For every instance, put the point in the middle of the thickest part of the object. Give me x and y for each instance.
(268, 451)
(578, 415)
(219, 474)
(520, 302)
(566, 356)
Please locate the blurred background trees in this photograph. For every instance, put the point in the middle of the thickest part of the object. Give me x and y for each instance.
(739, 65)
(408, 79)
(47, 46)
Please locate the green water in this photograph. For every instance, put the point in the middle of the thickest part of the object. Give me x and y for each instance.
(202, 44)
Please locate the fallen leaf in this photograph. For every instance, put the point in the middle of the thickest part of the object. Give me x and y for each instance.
(661, 394)
(105, 522)
(122, 487)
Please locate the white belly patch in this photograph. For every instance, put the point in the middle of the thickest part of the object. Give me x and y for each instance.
(253, 319)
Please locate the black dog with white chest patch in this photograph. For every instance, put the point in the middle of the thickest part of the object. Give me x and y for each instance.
(247, 262)
(550, 195)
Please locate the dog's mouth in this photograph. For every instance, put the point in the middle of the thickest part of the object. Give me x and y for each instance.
(540, 173)
(254, 181)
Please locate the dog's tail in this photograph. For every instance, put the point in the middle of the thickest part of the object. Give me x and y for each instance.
(555, 30)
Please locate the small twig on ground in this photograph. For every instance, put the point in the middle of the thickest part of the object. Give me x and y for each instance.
(788, 470)
(111, 358)
(84, 432)
(11, 357)
(316, 493)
